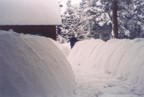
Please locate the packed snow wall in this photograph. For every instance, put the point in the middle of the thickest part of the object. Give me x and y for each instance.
(64, 47)
(117, 62)
(32, 66)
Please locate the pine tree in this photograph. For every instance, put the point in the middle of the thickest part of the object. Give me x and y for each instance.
(94, 18)
(114, 18)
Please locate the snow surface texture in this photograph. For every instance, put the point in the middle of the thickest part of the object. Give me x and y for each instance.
(29, 12)
(109, 69)
(33, 67)
(64, 47)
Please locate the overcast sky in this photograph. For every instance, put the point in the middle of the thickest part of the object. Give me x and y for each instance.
(72, 2)
(29, 12)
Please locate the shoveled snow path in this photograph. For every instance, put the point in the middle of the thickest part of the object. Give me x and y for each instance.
(109, 69)
(90, 86)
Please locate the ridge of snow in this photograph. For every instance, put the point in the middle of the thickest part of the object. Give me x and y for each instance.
(32, 66)
(109, 69)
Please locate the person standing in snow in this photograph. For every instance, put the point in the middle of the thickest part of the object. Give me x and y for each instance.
(73, 40)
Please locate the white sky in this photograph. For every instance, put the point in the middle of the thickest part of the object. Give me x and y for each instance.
(76, 1)
(73, 1)
(65, 1)
(29, 12)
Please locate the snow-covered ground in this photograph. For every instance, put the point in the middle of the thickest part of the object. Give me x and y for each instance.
(109, 69)
(64, 47)
(32, 66)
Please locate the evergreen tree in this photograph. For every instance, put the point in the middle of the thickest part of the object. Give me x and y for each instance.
(94, 18)
(129, 17)
(114, 18)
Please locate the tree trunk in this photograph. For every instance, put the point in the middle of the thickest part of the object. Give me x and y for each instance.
(114, 19)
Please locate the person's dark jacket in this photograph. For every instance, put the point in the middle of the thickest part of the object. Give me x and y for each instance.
(73, 40)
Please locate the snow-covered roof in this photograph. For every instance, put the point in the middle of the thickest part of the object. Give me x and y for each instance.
(29, 12)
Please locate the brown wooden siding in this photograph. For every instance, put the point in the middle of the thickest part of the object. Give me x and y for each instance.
(43, 30)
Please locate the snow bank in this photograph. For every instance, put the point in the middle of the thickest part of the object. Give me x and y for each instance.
(117, 66)
(33, 67)
(64, 47)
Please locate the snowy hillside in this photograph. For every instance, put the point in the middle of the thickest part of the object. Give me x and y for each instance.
(33, 67)
(109, 69)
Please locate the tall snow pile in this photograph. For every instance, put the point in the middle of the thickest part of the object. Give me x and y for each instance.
(33, 67)
(116, 67)
(64, 47)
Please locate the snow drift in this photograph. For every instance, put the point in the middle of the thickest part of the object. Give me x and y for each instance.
(33, 67)
(63, 47)
(117, 66)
